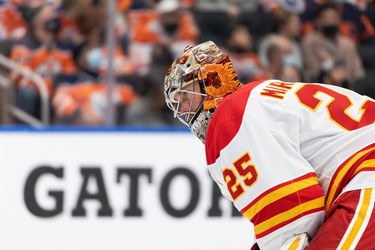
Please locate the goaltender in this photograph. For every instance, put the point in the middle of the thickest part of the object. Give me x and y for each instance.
(297, 159)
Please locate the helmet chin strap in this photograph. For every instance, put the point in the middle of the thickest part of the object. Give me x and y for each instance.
(200, 125)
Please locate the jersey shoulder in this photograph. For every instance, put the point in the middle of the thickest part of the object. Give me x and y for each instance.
(227, 121)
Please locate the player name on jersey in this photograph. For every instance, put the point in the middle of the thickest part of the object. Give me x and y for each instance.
(277, 89)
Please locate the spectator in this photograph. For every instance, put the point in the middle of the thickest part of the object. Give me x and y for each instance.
(336, 76)
(70, 34)
(92, 55)
(287, 26)
(90, 22)
(168, 25)
(216, 18)
(150, 108)
(92, 62)
(240, 48)
(123, 5)
(292, 6)
(357, 21)
(39, 51)
(370, 12)
(289, 73)
(85, 103)
(278, 53)
(262, 38)
(326, 47)
(12, 25)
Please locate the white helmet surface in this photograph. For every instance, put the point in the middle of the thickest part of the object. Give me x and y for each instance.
(197, 82)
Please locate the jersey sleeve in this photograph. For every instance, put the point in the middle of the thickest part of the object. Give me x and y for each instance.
(262, 171)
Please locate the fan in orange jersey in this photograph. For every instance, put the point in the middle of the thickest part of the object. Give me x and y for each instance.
(168, 25)
(47, 63)
(69, 34)
(297, 159)
(85, 103)
(169, 19)
(123, 5)
(39, 51)
(12, 25)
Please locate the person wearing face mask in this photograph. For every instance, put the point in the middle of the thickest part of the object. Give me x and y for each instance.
(40, 51)
(92, 63)
(239, 46)
(325, 46)
(287, 30)
(168, 24)
(94, 59)
(330, 31)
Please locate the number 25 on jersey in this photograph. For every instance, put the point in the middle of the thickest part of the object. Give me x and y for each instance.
(244, 169)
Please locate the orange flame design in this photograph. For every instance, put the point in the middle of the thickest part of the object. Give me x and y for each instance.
(225, 82)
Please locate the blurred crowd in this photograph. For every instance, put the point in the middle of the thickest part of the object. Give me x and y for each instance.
(64, 41)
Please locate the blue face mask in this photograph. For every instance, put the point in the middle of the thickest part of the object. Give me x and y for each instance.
(290, 60)
(94, 59)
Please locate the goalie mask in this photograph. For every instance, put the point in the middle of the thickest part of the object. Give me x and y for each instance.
(196, 83)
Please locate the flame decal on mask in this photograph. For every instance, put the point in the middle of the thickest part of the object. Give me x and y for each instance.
(215, 75)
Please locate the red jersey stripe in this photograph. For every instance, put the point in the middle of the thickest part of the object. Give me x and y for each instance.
(347, 170)
(307, 180)
(296, 217)
(285, 203)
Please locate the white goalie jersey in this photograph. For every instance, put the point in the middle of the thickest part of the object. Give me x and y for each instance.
(283, 152)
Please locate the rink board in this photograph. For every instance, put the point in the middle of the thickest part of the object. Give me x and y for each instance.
(112, 189)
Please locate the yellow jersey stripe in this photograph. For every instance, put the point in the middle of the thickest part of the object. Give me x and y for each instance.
(365, 164)
(289, 215)
(341, 174)
(279, 194)
(361, 217)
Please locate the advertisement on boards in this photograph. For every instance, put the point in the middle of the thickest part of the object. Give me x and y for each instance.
(112, 190)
